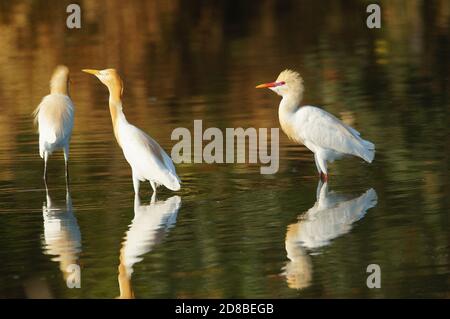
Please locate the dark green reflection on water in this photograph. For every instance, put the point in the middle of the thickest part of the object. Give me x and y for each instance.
(183, 61)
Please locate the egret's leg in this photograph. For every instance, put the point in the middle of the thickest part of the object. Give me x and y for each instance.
(136, 184)
(45, 166)
(66, 162)
(153, 186)
(323, 166)
(317, 164)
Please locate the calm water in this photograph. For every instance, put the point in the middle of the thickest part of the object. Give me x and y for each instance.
(230, 232)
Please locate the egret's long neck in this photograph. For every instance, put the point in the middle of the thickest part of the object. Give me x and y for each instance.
(59, 85)
(115, 108)
(288, 106)
(292, 98)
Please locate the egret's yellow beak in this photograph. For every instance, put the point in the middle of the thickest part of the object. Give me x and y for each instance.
(270, 85)
(90, 71)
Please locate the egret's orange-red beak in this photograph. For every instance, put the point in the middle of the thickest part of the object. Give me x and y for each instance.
(270, 85)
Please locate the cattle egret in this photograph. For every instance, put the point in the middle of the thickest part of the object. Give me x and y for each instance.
(147, 159)
(321, 132)
(54, 117)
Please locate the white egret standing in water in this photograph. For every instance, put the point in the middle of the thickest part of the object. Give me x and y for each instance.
(148, 161)
(54, 116)
(321, 132)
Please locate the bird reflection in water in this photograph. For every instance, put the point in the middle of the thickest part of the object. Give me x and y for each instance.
(331, 216)
(148, 228)
(62, 237)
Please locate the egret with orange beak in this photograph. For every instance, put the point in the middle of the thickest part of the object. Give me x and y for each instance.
(148, 161)
(321, 132)
(54, 116)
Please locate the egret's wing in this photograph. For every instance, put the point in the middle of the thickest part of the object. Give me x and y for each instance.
(145, 154)
(55, 118)
(319, 127)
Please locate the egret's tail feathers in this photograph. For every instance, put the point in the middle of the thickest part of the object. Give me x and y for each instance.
(368, 151)
(173, 182)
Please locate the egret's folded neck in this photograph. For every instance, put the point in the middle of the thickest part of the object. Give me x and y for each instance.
(58, 86)
(290, 103)
(115, 93)
(115, 108)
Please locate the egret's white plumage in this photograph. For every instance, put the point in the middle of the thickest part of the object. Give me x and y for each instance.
(146, 157)
(321, 132)
(148, 161)
(54, 117)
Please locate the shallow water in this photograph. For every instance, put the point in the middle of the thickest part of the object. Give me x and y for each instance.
(230, 231)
